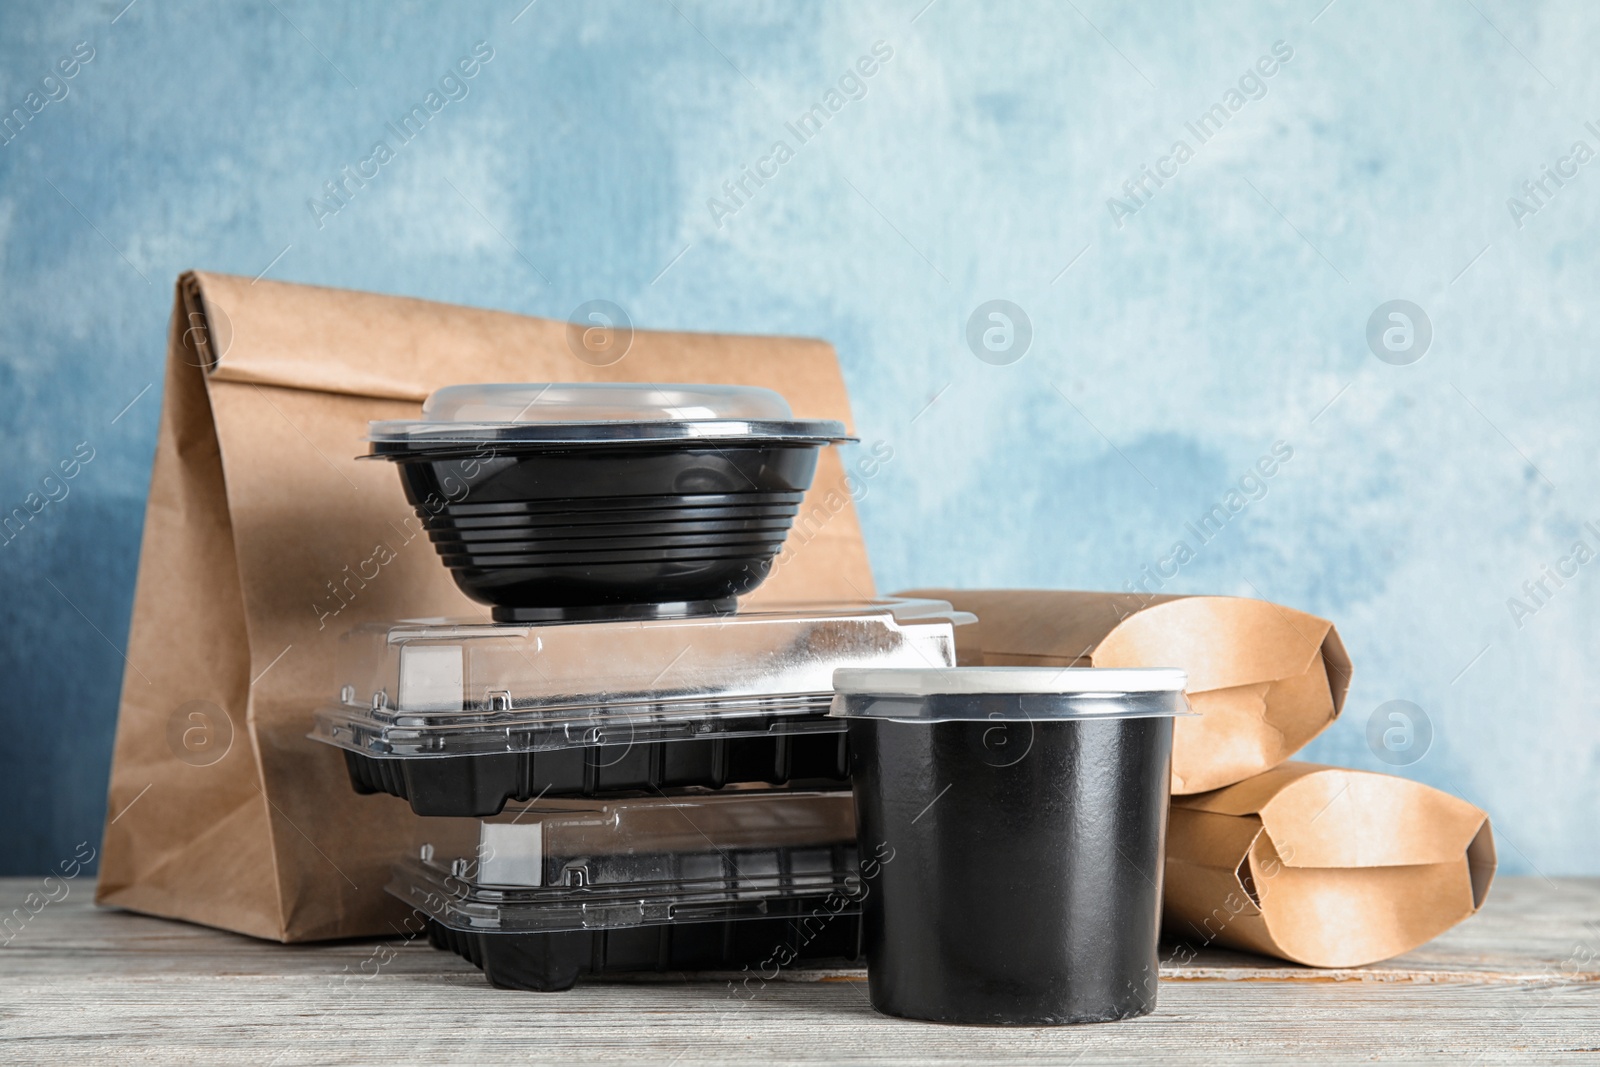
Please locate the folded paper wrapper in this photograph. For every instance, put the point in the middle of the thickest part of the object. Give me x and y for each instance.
(1265, 679)
(1323, 865)
(265, 537)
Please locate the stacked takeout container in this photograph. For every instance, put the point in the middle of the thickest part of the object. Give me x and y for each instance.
(656, 778)
(661, 778)
(626, 762)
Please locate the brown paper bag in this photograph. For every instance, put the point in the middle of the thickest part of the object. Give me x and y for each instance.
(265, 538)
(1323, 865)
(1264, 679)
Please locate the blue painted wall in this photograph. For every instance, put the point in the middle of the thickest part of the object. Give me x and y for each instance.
(1176, 334)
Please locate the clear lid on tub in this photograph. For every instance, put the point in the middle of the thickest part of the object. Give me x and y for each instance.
(958, 694)
(567, 413)
(574, 865)
(442, 688)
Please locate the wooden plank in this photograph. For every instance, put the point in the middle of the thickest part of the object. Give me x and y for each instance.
(1530, 929)
(1517, 984)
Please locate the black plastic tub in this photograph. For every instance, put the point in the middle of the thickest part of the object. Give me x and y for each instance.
(1020, 816)
(480, 785)
(546, 498)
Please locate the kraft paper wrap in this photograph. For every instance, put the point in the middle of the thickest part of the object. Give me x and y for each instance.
(256, 502)
(1324, 866)
(1265, 679)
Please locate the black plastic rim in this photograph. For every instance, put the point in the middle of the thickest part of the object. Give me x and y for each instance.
(460, 534)
(621, 540)
(668, 504)
(618, 612)
(727, 553)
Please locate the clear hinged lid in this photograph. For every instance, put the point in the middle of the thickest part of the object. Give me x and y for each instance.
(597, 412)
(578, 865)
(441, 688)
(944, 694)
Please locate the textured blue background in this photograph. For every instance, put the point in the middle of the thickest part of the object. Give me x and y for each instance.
(1227, 313)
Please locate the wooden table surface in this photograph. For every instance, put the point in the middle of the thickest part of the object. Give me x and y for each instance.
(1519, 983)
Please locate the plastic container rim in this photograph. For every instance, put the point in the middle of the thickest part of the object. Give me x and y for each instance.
(413, 433)
(1017, 694)
(935, 681)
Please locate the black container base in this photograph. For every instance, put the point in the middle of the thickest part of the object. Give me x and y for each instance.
(964, 1016)
(1024, 883)
(551, 962)
(479, 786)
(682, 609)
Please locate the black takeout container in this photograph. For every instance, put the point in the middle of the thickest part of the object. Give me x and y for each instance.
(458, 718)
(551, 962)
(561, 890)
(568, 500)
(794, 751)
(1016, 817)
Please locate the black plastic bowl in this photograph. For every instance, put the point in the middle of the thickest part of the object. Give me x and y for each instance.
(541, 532)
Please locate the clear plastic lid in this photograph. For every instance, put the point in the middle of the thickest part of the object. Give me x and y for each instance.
(944, 694)
(593, 842)
(441, 688)
(575, 865)
(590, 412)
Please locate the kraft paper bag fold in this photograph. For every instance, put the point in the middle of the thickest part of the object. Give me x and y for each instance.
(1324, 866)
(221, 811)
(1264, 679)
